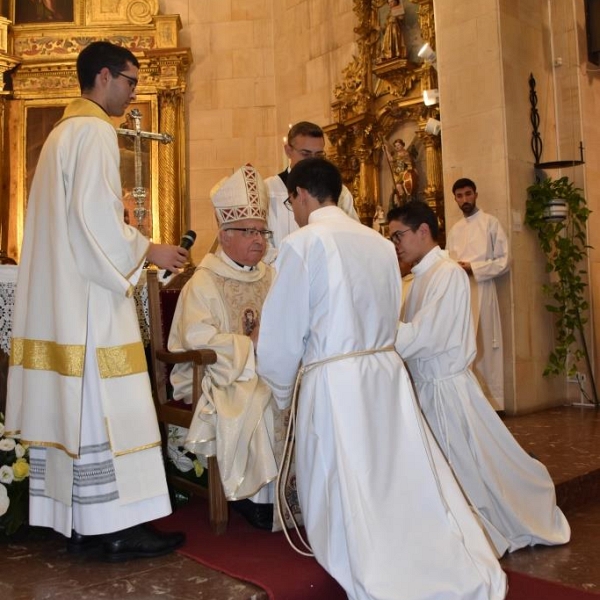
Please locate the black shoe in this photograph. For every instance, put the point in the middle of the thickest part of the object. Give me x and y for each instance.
(258, 515)
(82, 544)
(139, 542)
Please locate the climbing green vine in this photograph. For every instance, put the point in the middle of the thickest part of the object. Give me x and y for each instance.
(564, 243)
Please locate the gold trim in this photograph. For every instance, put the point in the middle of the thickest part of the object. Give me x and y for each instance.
(49, 445)
(138, 449)
(72, 455)
(13, 434)
(119, 361)
(42, 355)
(16, 352)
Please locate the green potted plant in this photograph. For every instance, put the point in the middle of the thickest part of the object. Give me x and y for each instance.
(557, 211)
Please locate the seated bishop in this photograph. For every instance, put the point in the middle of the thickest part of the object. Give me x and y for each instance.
(219, 308)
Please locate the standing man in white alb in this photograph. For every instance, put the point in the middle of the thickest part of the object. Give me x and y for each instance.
(480, 246)
(304, 140)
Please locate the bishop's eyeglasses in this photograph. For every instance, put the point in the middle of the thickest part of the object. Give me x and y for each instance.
(251, 232)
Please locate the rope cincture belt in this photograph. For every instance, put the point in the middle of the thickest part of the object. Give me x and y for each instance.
(288, 450)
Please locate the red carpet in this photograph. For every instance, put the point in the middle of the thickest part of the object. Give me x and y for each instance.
(526, 587)
(266, 560)
(260, 557)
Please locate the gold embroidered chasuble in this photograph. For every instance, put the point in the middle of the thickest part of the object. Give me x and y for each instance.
(79, 265)
(234, 418)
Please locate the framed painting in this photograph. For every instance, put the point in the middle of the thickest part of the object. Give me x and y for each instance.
(32, 12)
(136, 172)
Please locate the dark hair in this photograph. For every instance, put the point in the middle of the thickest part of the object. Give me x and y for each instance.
(413, 214)
(318, 176)
(304, 128)
(97, 55)
(463, 183)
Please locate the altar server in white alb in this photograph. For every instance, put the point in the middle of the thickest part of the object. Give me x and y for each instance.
(220, 308)
(304, 140)
(383, 512)
(512, 492)
(78, 378)
(479, 244)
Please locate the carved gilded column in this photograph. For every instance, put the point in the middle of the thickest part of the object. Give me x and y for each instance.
(169, 192)
(168, 69)
(426, 21)
(368, 180)
(434, 190)
(433, 154)
(7, 62)
(4, 205)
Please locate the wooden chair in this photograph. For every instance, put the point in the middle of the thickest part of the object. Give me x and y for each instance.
(161, 307)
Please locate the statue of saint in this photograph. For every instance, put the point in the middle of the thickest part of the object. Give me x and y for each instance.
(392, 44)
(403, 170)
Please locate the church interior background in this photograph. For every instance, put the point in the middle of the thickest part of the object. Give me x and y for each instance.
(226, 79)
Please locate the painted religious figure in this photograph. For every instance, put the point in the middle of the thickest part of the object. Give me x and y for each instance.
(43, 11)
(392, 43)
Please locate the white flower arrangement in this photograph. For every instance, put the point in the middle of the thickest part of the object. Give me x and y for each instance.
(184, 461)
(14, 483)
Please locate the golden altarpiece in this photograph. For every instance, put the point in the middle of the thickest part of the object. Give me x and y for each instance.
(381, 101)
(39, 44)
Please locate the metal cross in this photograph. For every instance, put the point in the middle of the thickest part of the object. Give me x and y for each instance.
(139, 191)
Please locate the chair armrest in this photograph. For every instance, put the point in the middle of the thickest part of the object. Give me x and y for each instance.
(198, 357)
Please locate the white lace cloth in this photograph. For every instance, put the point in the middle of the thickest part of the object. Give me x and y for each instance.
(8, 285)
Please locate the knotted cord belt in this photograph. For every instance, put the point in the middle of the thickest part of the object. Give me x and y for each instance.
(439, 408)
(290, 440)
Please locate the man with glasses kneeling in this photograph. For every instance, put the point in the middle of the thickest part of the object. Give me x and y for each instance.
(220, 308)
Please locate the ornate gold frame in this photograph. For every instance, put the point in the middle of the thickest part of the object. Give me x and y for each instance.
(378, 94)
(41, 59)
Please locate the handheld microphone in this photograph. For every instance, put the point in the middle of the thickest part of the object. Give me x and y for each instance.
(187, 241)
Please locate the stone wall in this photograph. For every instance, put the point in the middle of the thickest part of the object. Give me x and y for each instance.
(259, 65)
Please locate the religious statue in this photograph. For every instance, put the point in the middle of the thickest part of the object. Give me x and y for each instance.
(402, 166)
(392, 44)
(379, 220)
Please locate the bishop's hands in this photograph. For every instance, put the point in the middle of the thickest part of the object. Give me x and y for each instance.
(168, 257)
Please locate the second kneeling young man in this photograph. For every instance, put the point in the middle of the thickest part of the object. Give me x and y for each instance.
(511, 492)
